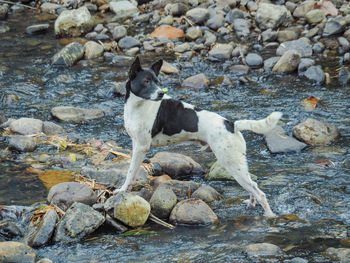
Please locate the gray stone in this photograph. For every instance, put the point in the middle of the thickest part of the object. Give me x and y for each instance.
(218, 173)
(75, 114)
(51, 128)
(242, 27)
(130, 209)
(198, 15)
(298, 260)
(122, 60)
(270, 63)
(286, 35)
(50, 7)
(315, 16)
(74, 23)
(220, 52)
(168, 20)
(304, 64)
(79, 221)
(16, 252)
(216, 22)
(178, 9)
(37, 29)
(114, 176)
(263, 250)
(318, 47)
(314, 132)
(163, 201)
(278, 141)
(303, 8)
(26, 126)
(22, 143)
(182, 189)
(288, 62)
(176, 164)
(344, 43)
(234, 14)
(269, 35)
(92, 50)
(316, 74)
(68, 55)
(206, 193)
(270, 16)
(182, 47)
(193, 33)
(3, 11)
(254, 60)
(193, 212)
(334, 26)
(301, 46)
(239, 69)
(65, 194)
(44, 260)
(123, 9)
(9, 230)
(41, 234)
(128, 42)
(199, 81)
(209, 38)
(343, 76)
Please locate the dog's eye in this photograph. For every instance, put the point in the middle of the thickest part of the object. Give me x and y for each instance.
(147, 81)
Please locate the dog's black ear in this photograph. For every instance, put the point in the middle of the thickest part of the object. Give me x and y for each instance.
(135, 68)
(157, 66)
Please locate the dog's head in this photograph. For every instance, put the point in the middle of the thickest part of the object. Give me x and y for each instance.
(144, 82)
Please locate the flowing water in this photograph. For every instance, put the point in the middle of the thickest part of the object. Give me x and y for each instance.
(313, 200)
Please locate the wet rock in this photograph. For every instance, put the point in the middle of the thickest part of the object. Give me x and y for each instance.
(345, 256)
(242, 27)
(335, 254)
(3, 11)
(79, 221)
(73, 23)
(303, 8)
(41, 234)
(220, 52)
(209, 38)
(198, 15)
(286, 35)
(270, 16)
(122, 60)
(37, 29)
(69, 55)
(11, 251)
(334, 26)
(65, 194)
(45, 260)
(176, 164)
(193, 33)
(128, 42)
(298, 260)
(216, 22)
(168, 20)
(119, 32)
(343, 76)
(4, 29)
(314, 132)
(234, 14)
(301, 46)
(9, 230)
(316, 74)
(206, 193)
(130, 209)
(199, 81)
(50, 7)
(181, 48)
(26, 126)
(318, 47)
(218, 173)
(304, 64)
(288, 62)
(92, 50)
(114, 176)
(163, 201)
(123, 9)
(269, 35)
(51, 128)
(263, 250)
(315, 16)
(193, 212)
(278, 141)
(344, 43)
(146, 193)
(177, 9)
(347, 57)
(22, 143)
(182, 189)
(75, 114)
(254, 60)
(270, 63)
(168, 68)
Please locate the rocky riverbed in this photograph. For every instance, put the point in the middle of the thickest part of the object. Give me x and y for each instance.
(62, 73)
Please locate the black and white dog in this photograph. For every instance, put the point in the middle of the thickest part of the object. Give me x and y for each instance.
(154, 119)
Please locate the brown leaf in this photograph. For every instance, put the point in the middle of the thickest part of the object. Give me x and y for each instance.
(169, 32)
(310, 103)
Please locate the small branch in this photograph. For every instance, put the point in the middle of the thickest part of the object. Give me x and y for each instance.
(160, 222)
(12, 3)
(114, 224)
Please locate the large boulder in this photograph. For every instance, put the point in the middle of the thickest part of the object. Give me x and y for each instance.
(22, 143)
(271, 16)
(26, 126)
(176, 164)
(193, 212)
(75, 114)
(79, 221)
(128, 208)
(315, 132)
(65, 194)
(73, 23)
(16, 252)
(163, 201)
(68, 55)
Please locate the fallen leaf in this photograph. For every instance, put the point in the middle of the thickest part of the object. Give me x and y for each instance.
(310, 103)
(169, 32)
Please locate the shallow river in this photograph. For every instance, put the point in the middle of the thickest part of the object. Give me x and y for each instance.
(313, 201)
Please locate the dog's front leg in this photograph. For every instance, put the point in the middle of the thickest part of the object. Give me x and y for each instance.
(138, 155)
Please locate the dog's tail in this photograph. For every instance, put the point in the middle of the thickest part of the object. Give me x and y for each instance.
(259, 126)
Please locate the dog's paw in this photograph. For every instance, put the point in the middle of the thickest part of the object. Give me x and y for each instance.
(249, 203)
(270, 215)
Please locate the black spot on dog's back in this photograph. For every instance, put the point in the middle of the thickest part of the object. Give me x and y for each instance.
(173, 117)
(230, 126)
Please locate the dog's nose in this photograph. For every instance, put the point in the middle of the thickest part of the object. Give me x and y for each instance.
(160, 94)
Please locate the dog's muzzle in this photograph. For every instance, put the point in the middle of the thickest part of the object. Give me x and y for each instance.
(160, 95)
